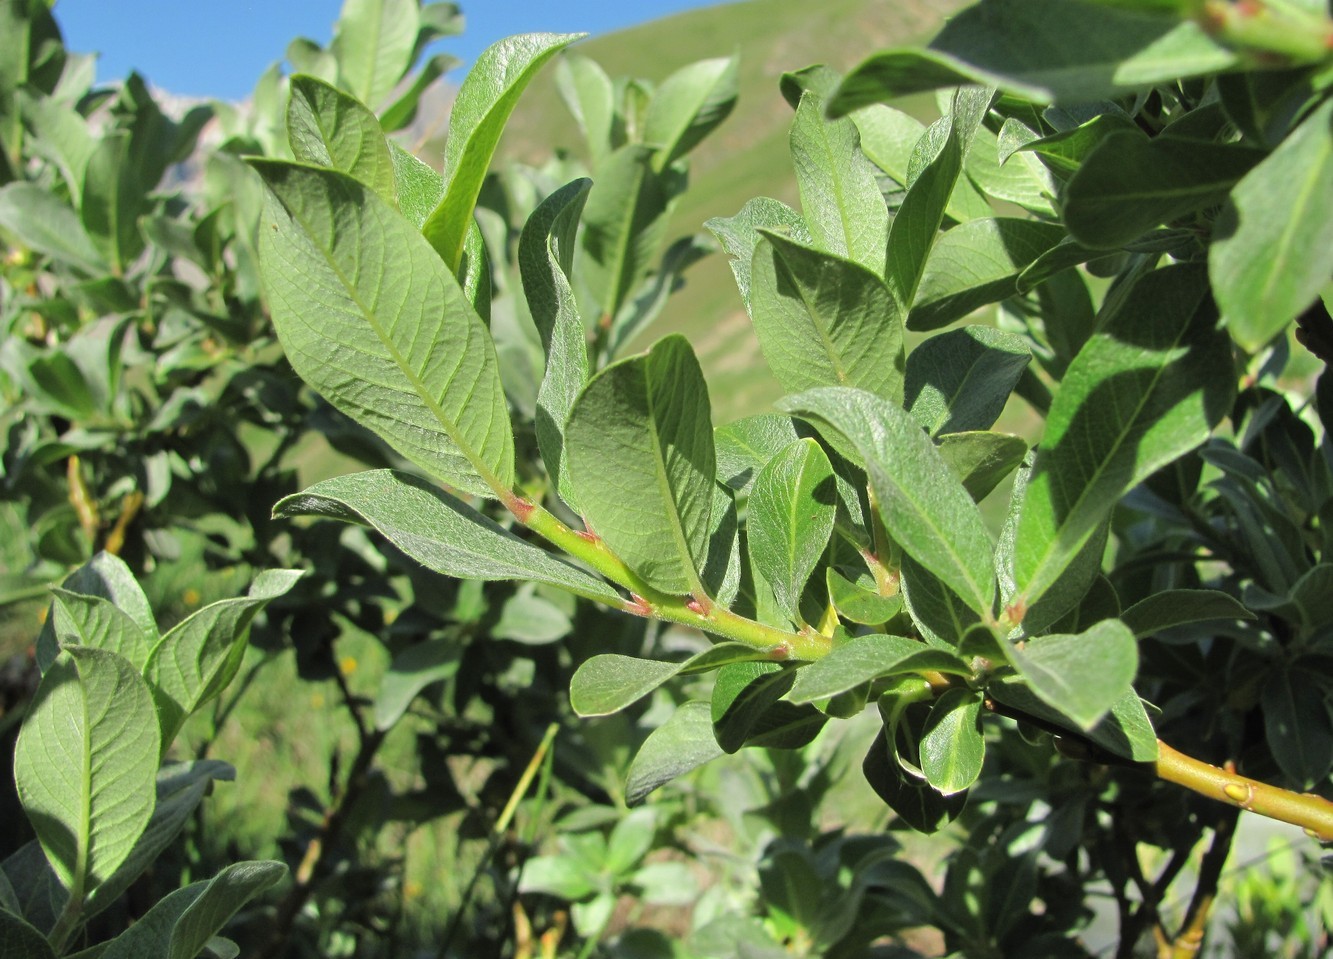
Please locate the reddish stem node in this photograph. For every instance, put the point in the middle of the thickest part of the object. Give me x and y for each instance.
(639, 606)
(520, 507)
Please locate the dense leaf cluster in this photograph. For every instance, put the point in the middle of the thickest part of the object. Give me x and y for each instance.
(1062, 563)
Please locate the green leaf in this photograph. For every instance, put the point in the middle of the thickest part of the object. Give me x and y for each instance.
(1130, 184)
(1273, 246)
(1181, 607)
(1144, 390)
(85, 764)
(1067, 149)
(562, 876)
(1125, 731)
(411, 671)
(180, 789)
(937, 163)
(747, 711)
(93, 621)
(651, 296)
(823, 320)
(860, 601)
(478, 117)
(953, 747)
(959, 381)
(624, 224)
(590, 96)
(531, 619)
(105, 576)
(60, 133)
(889, 139)
(916, 802)
(199, 657)
(867, 658)
(545, 258)
(374, 45)
(630, 840)
(739, 235)
(923, 505)
(721, 574)
(610, 682)
(840, 196)
(18, 940)
(387, 337)
(941, 617)
(981, 459)
(43, 222)
(790, 520)
(1312, 595)
(745, 446)
(688, 105)
(681, 744)
(329, 128)
(1080, 676)
(1044, 50)
(403, 110)
(113, 198)
(439, 531)
(417, 186)
(1024, 181)
(975, 264)
(180, 925)
(640, 448)
(1299, 726)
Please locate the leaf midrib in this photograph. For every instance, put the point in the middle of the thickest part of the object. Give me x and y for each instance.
(668, 495)
(1039, 571)
(941, 536)
(450, 428)
(1284, 244)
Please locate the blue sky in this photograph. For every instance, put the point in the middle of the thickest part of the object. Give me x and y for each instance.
(218, 48)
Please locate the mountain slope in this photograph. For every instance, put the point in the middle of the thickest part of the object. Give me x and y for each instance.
(746, 157)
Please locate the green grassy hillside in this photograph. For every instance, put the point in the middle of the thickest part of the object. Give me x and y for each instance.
(746, 157)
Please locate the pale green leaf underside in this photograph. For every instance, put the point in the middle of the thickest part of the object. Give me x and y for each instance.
(684, 742)
(198, 657)
(1080, 676)
(180, 925)
(823, 320)
(790, 520)
(85, 764)
(952, 746)
(840, 196)
(867, 658)
(439, 531)
(608, 683)
(370, 317)
(329, 128)
(640, 447)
